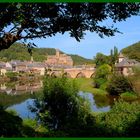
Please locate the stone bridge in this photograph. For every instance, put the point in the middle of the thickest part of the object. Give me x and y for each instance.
(73, 72)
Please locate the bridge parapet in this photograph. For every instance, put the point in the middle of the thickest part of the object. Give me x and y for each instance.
(74, 72)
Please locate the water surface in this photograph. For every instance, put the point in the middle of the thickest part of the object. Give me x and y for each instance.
(19, 96)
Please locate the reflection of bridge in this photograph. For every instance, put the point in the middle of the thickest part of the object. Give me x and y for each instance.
(73, 72)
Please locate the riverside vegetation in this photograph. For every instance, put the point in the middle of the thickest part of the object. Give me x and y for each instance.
(62, 113)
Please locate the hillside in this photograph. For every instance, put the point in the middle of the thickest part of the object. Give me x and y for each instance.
(19, 52)
(132, 51)
(79, 60)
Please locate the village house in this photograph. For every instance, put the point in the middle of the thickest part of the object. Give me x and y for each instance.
(2, 70)
(23, 67)
(125, 65)
(37, 68)
(19, 66)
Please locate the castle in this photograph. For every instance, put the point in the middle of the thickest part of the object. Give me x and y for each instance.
(59, 59)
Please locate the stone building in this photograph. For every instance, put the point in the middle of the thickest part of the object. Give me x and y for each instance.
(23, 67)
(59, 59)
(37, 68)
(125, 65)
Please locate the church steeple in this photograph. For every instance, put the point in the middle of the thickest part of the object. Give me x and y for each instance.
(120, 57)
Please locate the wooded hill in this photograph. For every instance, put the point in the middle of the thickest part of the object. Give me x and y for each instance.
(132, 51)
(19, 52)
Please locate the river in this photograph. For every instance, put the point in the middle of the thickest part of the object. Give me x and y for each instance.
(20, 96)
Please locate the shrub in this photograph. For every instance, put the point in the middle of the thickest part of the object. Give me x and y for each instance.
(10, 125)
(120, 119)
(32, 128)
(119, 84)
(129, 96)
(135, 78)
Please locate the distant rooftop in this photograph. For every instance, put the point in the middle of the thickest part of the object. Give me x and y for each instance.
(128, 63)
(121, 55)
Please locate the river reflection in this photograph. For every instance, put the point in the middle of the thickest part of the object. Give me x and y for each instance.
(19, 96)
(23, 109)
(96, 107)
(20, 87)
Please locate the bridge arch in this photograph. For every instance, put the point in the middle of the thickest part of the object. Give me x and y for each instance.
(80, 75)
(53, 74)
(92, 75)
(66, 74)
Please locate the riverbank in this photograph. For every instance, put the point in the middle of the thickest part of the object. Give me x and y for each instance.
(86, 85)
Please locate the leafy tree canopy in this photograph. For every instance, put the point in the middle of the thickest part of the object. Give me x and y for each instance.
(62, 109)
(102, 75)
(101, 59)
(35, 20)
(119, 84)
(113, 56)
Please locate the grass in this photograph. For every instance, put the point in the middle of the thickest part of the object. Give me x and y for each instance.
(32, 123)
(129, 96)
(86, 85)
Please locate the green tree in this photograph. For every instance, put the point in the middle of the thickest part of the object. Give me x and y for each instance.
(113, 57)
(101, 59)
(35, 20)
(119, 84)
(135, 79)
(62, 110)
(102, 74)
(121, 120)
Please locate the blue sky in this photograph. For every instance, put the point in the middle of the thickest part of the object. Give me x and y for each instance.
(92, 43)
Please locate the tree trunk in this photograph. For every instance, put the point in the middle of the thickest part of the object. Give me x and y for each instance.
(7, 40)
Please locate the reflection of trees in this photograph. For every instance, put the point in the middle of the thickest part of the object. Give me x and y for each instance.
(101, 101)
(8, 100)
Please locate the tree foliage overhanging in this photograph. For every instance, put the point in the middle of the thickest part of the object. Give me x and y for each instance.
(22, 21)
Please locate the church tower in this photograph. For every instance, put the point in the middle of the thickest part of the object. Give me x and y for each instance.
(120, 57)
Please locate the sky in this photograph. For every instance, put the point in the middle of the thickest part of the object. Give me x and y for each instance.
(92, 43)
